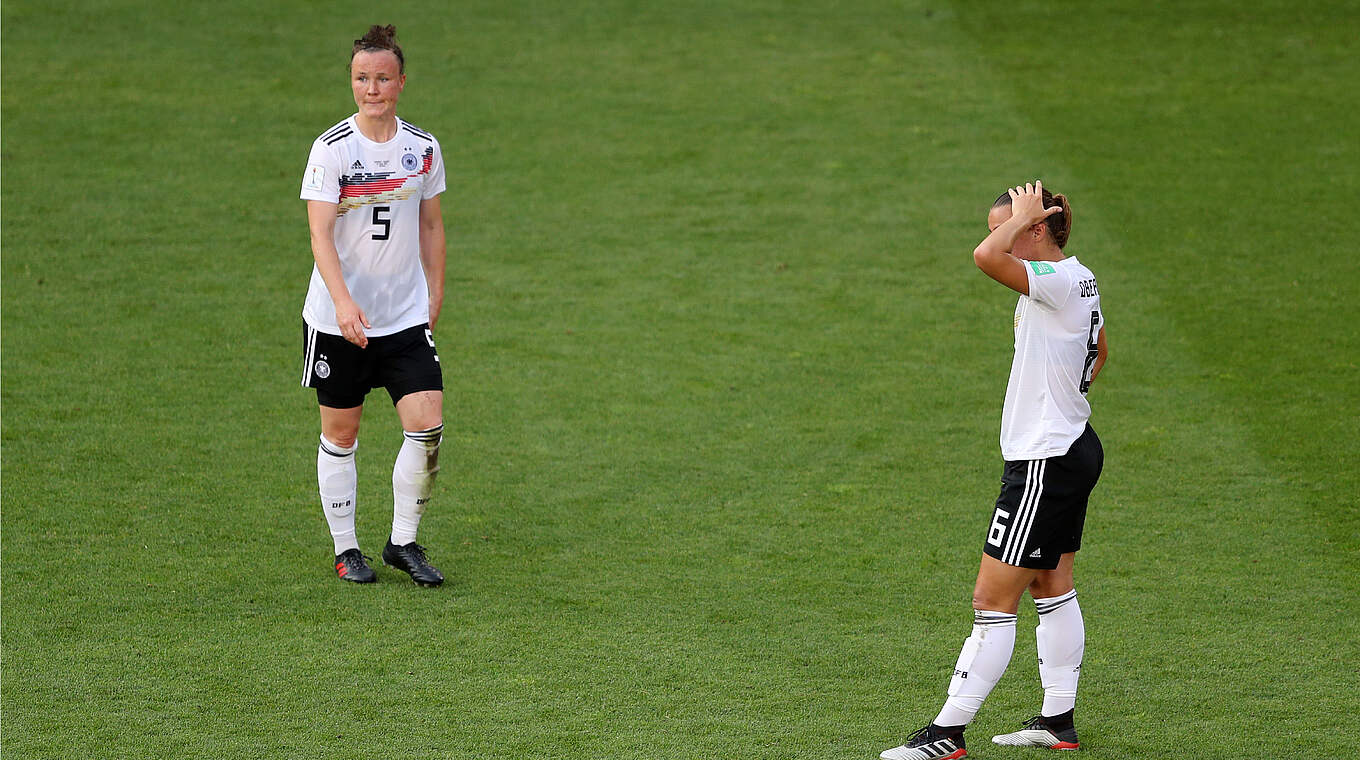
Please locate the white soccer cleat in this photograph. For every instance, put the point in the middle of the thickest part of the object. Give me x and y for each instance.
(930, 743)
(1038, 733)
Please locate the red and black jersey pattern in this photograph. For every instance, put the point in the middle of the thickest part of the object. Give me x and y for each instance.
(370, 183)
(365, 188)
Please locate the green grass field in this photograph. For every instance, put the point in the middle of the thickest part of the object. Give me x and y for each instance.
(723, 384)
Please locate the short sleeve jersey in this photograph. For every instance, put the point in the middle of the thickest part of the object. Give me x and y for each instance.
(378, 188)
(1056, 327)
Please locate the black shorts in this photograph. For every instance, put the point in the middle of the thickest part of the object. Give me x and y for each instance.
(342, 373)
(1042, 507)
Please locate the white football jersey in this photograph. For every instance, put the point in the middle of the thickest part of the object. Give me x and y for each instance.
(1056, 327)
(378, 187)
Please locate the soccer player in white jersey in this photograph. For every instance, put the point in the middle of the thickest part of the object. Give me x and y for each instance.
(1053, 459)
(372, 188)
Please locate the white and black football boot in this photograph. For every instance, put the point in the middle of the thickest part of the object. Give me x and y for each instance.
(1054, 732)
(930, 743)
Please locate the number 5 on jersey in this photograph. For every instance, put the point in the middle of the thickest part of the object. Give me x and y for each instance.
(381, 221)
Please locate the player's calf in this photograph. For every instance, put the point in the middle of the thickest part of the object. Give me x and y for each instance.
(413, 478)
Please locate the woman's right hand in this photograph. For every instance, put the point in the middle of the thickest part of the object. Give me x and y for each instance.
(1027, 204)
(352, 321)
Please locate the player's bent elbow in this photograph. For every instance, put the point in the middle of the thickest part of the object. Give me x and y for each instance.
(990, 263)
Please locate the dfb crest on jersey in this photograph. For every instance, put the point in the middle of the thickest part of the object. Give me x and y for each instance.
(323, 370)
(409, 162)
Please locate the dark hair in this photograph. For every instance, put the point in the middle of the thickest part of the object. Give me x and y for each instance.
(380, 38)
(1059, 225)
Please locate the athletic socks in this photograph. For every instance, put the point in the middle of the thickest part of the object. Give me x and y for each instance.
(413, 480)
(337, 479)
(1061, 638)
(982, 662)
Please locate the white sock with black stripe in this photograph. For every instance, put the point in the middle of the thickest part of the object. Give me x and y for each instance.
(1061, 637)
(337, 479)
(981, 664)
(412, 481)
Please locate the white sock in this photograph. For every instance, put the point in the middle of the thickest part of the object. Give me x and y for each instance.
(1061, 637)
(413, 480)
(981, 664)
(337, 478)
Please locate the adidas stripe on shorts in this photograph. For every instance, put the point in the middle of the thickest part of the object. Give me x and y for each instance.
(1042, 507)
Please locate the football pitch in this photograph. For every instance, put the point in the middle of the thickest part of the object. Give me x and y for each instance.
(723, 384)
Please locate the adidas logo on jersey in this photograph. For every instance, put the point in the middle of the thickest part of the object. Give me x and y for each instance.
(357, 164)
(1036, 553)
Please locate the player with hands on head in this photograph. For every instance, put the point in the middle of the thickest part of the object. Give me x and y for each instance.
(372, 188)
(1052, 462)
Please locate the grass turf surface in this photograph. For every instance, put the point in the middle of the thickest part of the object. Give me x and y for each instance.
(723, 384)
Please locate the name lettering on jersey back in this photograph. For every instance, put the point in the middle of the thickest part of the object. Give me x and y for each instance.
(1088, 288)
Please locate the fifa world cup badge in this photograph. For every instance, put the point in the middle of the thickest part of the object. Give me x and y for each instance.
(316, 177)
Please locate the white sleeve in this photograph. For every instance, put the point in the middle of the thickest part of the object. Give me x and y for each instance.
(434, 185)
(321, 181)
(1049, 285)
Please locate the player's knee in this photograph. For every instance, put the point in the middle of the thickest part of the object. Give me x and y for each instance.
(1055, 582)
(421, 410)
(1045, 588)
(996, 600)
(985, 601)
(344, 439)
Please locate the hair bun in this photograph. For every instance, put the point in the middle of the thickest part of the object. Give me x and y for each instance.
(380, 38)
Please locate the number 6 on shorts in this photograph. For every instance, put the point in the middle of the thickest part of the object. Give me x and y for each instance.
(998, 530)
